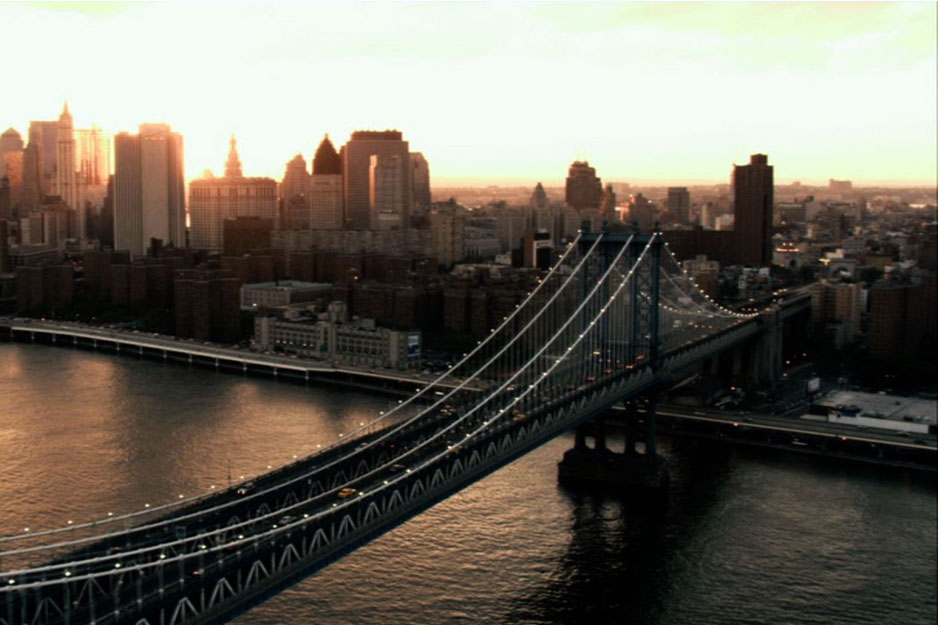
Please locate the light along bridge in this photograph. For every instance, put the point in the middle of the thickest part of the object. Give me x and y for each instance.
(615, 318)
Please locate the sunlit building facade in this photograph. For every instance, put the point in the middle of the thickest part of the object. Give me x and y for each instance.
(149, 189)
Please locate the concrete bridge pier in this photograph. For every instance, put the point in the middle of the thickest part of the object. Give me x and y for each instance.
(638, 466)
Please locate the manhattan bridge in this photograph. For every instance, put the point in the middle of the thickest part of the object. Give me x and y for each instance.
(613, 320)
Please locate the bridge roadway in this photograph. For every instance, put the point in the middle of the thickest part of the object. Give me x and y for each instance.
(807, 436)
(147, 344)
(217, 557)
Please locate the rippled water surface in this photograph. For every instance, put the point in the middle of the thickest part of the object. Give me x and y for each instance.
(740, 537)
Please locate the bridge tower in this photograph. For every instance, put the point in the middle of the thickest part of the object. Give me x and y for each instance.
(638, 464)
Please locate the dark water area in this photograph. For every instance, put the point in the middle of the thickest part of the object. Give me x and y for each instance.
(741, 536)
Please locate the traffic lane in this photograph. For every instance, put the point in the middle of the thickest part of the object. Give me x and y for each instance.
(802, 426)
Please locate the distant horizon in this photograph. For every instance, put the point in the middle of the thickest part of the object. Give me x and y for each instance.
(481, 183)
(507, 90)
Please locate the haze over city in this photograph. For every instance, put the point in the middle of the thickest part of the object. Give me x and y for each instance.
(503, 93)
(505, 313)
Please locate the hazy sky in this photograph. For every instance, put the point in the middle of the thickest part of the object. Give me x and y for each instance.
(504, 92)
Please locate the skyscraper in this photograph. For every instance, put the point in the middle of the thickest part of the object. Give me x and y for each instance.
(11, 162)
(679, 204)
(93, 156)
(420, 179)
(212, 201)
(295, 181)
(45, 134)
(642, 212)
(325, 193)
(31, 193)
(385, 192)
(607, 206)
(584, 190)
(65, 185)
(753, 193)
(356, 172)
(149, 191)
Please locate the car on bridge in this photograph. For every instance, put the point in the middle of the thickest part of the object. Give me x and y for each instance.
(247, 488)
(347, 492)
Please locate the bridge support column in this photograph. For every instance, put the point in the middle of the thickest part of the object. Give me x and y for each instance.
(630, 469)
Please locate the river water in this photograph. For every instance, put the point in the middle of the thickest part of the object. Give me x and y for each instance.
(740, 537)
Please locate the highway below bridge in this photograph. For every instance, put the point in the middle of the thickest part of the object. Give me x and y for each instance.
(913, 451)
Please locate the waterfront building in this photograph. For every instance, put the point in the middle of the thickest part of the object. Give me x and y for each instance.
(332, 336)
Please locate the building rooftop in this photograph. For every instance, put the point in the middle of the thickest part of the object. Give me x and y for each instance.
(892, 407)
(288, 284)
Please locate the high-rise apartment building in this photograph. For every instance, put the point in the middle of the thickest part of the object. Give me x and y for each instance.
(356, 173)
(149, 189)
(325, 190)
(679, 204)
(753, 192)
(420, 179)
(836, 309)
(214, 200)
(584, 190)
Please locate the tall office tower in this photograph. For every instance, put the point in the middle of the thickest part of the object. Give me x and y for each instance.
(294, 189)
(679, 204)
(540, 215)
(420, 179)
(295, 179)
(6, 205)
(386, 194)
(325, 191)
(66, 186)
(11, 163)
(214, 200)
(31, 194)
(584, 189)
(607, 206)
(46, 136)
(753, 193)
(10, 142)
(149, 189)
(93, 156)
(356, 171)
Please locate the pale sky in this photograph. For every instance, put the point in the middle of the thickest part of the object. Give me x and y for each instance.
(504, 92)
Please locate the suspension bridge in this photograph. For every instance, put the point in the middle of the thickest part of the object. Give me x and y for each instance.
(614, 318)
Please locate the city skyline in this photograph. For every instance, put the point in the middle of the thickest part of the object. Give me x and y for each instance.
(839, 90)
